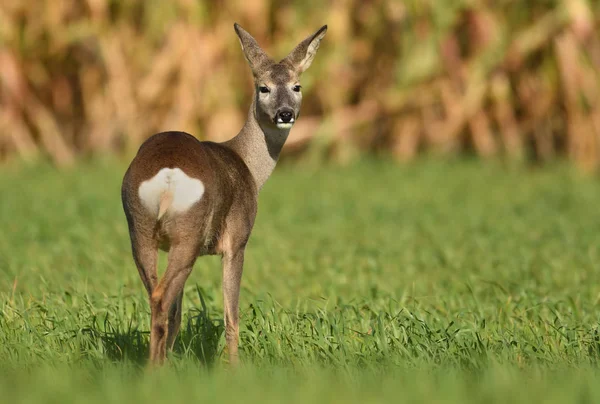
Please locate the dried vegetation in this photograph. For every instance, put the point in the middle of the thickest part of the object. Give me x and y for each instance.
(496, 78)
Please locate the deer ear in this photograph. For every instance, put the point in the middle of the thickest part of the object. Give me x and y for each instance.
(255, 56)
(303, 54)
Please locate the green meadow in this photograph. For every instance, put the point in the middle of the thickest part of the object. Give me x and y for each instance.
(436, 282)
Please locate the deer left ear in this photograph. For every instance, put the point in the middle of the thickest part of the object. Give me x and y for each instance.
(303, 54)
(256, 57)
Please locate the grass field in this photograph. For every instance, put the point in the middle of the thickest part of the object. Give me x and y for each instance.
(432, 282)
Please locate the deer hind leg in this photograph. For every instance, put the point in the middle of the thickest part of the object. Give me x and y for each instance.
(145, 255)
(174, 320)
(180, 263)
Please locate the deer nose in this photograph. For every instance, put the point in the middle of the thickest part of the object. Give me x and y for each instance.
(285, 115)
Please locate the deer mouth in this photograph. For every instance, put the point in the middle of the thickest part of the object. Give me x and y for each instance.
(284, 123)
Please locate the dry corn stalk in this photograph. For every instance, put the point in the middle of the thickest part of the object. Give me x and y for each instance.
(91, 76)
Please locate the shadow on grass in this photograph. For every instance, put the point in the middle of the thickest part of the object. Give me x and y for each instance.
(198, 338)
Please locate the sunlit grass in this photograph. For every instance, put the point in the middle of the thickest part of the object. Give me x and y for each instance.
(432, 281)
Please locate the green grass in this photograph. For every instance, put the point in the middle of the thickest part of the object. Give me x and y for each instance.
(432, 282)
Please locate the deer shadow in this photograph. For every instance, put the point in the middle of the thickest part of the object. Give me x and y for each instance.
(199, 338)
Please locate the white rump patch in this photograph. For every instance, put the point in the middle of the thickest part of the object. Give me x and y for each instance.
(184, 190)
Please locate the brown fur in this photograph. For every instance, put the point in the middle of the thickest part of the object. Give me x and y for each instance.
(221, 221)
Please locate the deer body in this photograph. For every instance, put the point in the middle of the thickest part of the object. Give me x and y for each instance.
(193, 198)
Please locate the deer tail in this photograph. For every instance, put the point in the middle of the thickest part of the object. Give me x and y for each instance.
(166, 198)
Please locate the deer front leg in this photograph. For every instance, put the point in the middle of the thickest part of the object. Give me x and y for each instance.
(233, 262)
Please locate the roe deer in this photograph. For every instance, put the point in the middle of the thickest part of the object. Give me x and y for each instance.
(193, 198)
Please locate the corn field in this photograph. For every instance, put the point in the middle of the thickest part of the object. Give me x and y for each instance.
(508, 78)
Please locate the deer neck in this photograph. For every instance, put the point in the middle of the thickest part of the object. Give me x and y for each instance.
(259, 146)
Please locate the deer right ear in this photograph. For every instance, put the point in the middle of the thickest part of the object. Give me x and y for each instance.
(254, 54)
(302, 56)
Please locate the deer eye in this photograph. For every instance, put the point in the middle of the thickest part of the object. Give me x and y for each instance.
(297, 88)
(264, 89)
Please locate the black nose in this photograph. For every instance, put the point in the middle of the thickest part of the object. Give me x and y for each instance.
(285, 115)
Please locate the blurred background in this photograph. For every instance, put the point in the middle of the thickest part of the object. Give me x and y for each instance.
(507, 78)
